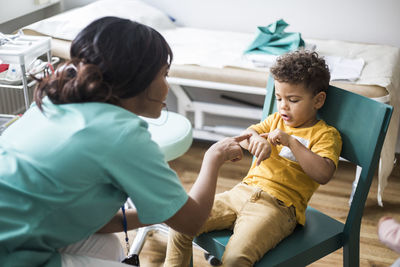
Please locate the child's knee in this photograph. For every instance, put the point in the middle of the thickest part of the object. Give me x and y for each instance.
(236, 260)
(178, 237)
(239, 255)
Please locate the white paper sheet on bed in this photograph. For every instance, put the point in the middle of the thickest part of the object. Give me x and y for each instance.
(220, 49)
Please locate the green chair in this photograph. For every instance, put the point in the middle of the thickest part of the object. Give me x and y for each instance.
(362, 123)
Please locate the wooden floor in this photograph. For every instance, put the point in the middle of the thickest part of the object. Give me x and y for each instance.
(331, 199)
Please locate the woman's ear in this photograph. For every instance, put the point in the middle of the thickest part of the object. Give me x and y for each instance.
(319, 100)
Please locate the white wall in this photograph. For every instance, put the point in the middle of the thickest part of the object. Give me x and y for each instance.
(15, 14)
(18, 13)
(68, 4)
(371, 21)
(12, 9)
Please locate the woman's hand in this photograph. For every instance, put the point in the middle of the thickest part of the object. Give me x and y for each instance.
(259, 147)
(227, 149)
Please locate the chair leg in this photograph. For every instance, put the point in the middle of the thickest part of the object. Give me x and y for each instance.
(213, 261)
(355, 182)
(141, 236)
(351, 252)
(139, 240)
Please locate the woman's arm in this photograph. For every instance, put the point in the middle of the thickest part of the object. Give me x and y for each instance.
(116, 223)
(195, 211)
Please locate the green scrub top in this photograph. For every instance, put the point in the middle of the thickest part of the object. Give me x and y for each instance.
(65, 172)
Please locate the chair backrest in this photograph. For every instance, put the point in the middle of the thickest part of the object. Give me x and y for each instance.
(362, 123)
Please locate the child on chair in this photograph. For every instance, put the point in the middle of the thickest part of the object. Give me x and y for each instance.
(295, 153)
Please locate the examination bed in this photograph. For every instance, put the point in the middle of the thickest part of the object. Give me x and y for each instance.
(214, 61)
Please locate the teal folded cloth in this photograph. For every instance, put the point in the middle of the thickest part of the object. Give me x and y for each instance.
(273, 40)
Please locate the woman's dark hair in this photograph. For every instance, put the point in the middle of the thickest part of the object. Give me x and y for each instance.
(111, 59)
(302, 67)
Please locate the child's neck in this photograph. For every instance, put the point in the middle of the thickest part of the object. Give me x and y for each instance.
(308, 124)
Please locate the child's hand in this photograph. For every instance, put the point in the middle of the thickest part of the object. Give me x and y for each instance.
(278, 137)
(259, 147)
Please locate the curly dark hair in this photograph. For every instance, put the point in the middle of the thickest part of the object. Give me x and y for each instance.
(302, 67)
(111, 59)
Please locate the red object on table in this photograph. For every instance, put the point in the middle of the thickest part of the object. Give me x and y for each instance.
(4, 67)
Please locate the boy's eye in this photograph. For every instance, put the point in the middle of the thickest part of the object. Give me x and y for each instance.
(278, 99)
(294, 100)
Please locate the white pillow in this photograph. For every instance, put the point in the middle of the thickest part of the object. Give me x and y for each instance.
(68, 24)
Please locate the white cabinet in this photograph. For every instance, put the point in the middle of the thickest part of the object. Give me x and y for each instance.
(216, 109)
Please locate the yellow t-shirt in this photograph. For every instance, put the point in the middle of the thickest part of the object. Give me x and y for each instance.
(281, 175)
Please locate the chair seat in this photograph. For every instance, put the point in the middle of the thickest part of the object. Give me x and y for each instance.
(321, 232)
(172, 132)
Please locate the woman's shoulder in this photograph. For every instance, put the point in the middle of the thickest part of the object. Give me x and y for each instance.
(104, 115)
(114, 120)
(102, 121)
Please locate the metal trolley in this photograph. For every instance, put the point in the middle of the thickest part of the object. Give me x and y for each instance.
(22, 50)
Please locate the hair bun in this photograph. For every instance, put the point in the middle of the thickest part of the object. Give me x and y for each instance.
(69, 70)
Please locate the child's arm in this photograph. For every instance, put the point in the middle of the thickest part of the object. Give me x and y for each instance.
(389, 233)
(318, 168)
(257, 145)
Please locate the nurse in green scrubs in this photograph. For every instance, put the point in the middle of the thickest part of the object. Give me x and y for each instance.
(74, 157)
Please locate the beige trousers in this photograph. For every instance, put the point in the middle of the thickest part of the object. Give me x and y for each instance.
(259, 222)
